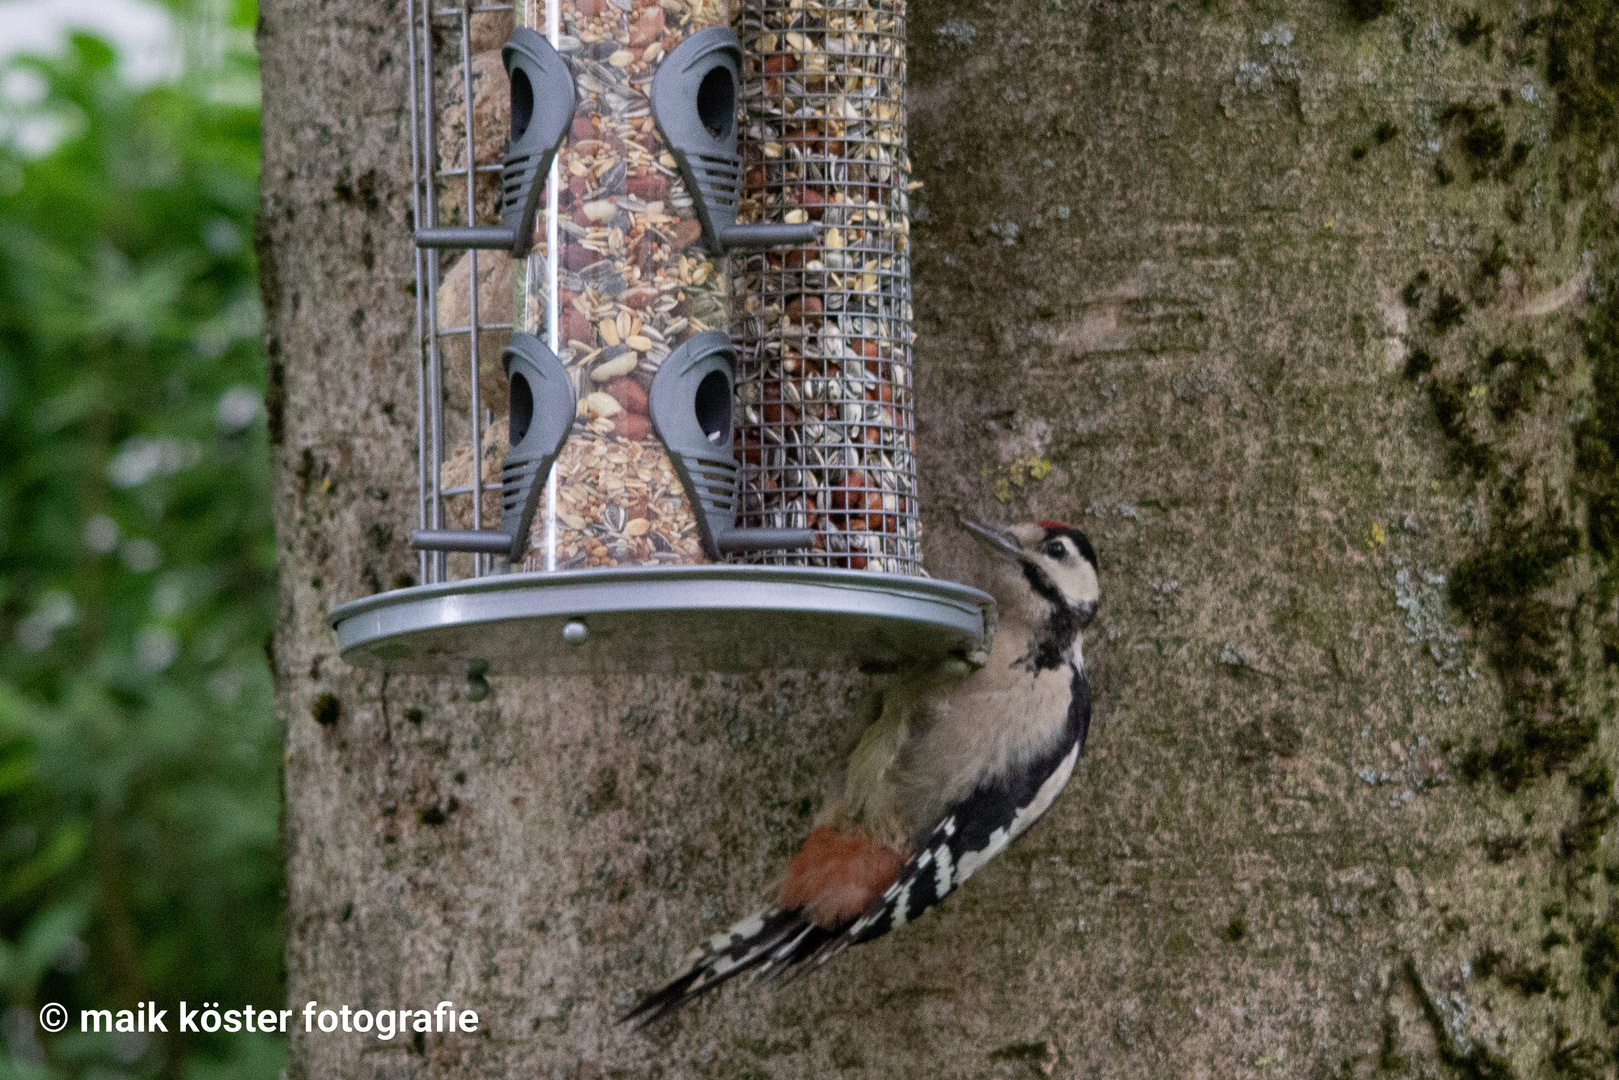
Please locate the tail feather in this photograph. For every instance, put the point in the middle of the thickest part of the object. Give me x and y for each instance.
(774, 940)
(788, 956)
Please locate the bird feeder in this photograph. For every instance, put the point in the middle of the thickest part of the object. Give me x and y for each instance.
(617, 488)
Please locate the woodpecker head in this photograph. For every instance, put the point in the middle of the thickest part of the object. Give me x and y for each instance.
(1045, 572)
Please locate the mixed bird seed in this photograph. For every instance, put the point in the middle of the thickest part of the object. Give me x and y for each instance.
(825, 429)
(633, 282)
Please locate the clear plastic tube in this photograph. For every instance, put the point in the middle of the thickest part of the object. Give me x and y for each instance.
(617, 279)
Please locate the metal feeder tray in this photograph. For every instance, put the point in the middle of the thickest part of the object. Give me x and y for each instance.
(730, 618)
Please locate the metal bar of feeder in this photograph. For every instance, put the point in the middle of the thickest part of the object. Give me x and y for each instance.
(465, 237)
(475, 410)
(553, 335)
(435, 417)
(479, 542)
(458, 331)
(476, 168)
(415, 219)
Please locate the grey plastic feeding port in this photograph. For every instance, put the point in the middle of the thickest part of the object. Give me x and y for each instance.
(542, 408)
(530, 606)
(691, 410)
(542, 100)
(694, 98)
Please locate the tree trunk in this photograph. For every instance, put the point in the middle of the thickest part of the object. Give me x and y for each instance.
(1305, 314)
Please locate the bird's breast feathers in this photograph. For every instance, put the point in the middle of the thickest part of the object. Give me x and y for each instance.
(973, 830)
(1001, 720)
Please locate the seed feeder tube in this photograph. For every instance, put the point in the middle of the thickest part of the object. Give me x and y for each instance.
(648, 210)
(825, 432)
(588, 525)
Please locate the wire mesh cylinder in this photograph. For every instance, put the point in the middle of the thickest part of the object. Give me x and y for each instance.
(824, 421)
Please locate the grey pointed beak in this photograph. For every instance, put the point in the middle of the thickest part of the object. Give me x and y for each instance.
(997, 540)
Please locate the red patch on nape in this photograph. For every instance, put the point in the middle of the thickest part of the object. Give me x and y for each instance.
(1044, 524)
(835, 877)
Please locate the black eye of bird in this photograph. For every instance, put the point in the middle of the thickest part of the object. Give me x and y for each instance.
(1056, 549)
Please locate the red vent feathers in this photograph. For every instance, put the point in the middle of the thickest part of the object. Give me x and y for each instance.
(835, 877)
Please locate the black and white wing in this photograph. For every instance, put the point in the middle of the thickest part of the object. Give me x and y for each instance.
(975, 830)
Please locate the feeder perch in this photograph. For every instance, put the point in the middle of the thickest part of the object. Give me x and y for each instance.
(542, 99)
(691, 409)
(621, 468)
(694, 100)
(542, 410)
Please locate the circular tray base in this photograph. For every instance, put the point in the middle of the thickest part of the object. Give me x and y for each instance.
(676, 618)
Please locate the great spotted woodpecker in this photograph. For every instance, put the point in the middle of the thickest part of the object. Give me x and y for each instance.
(958, 764)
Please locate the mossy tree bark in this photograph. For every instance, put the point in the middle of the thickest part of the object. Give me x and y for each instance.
(1307, 313)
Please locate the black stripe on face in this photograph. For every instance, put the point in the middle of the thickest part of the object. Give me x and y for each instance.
(1081, 541)
(1054, 637)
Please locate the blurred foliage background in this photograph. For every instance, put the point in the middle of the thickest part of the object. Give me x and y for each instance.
(139, 755)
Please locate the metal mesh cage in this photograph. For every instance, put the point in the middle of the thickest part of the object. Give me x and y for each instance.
(457, 88)
(825, 429)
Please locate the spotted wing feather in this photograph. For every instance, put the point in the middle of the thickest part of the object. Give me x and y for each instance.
(975, 830)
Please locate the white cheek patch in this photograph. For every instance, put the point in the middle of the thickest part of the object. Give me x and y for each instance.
(1075, 579)
(1090, 590)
